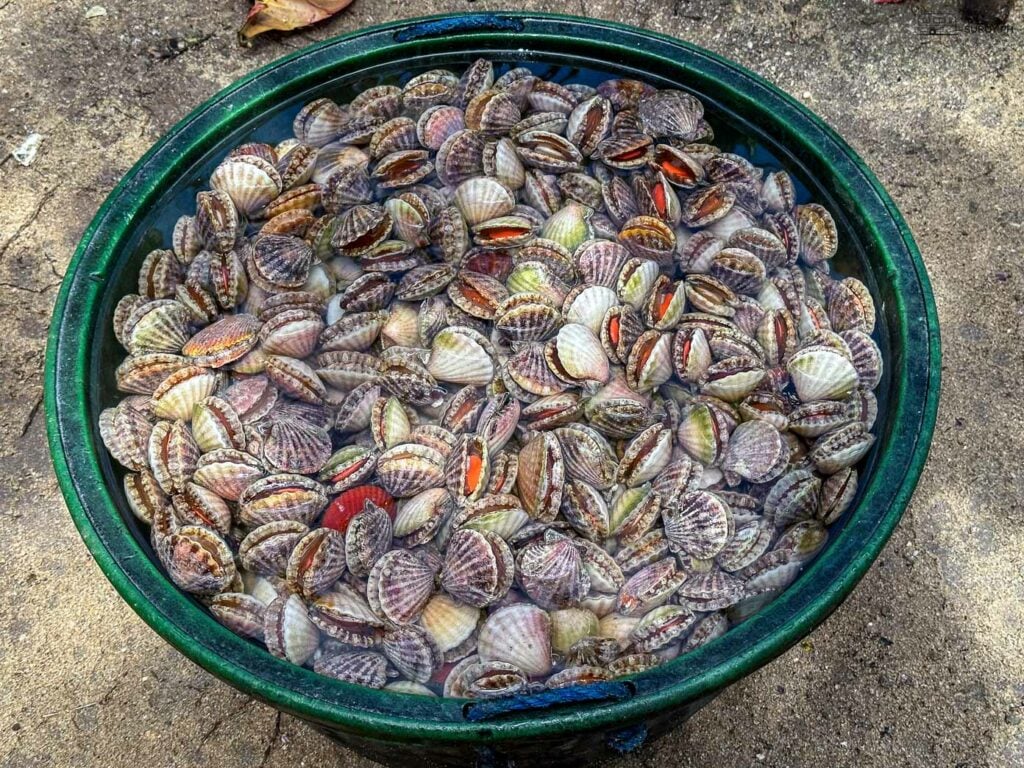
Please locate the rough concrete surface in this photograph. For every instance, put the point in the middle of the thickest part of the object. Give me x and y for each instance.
(922, 666)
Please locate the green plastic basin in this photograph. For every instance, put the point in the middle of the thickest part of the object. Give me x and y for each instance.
(751, 117)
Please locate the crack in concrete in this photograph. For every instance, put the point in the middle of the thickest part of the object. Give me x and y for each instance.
(273, 741)
(221, 720)
(46, 197)
(33, 412)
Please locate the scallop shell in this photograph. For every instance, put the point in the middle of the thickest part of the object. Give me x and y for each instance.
(821, 373)
(478, 567)
(459, 355)
(399, 585)
(700, 526)
(251, 182)
(359, 667)
(449, 622)
(519, 635)
(178, 394)
(483, 198)
(288, 632)
(413, 652)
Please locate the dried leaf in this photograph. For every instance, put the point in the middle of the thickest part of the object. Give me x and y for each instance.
(285, 15)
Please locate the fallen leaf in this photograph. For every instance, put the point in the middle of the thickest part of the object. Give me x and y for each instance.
(285, 15)
(95, 11)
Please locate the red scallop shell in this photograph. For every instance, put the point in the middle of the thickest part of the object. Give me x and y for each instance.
(349, 503)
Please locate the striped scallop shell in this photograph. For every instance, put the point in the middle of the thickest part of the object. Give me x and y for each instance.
(478, 568)
(316, 562)
(267, 548)
(701, 525)
(178, 394)
(250, 181)
(413, 652)
(288, 632)
(216, 424)
(227, 472)
(223, 341)
(366, 668)
(460, 355)
(399, 585)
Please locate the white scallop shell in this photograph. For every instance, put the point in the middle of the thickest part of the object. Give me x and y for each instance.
(251, 182)
(821, 373)
(520, 635)
(483, 198)
(458, 356)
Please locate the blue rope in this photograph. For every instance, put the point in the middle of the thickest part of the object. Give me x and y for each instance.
(452, 24)
(628, 739)
(485, 710)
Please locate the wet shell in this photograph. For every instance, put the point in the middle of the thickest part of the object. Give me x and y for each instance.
(227, 472)
(711, 591)
(358, 667)
(287, 630)
(361, 229)
(125, 432)
(251, 182)
(841, 448)
(660, 627)
(481, 199)
(756, 452)
(818, 236)
(216, 424)
(413, 652)
(173, 453)
(368, 535)
(526, 317)
(460, 355)
(178, 394)
(671, 114)
(279, 261)
(577, 357)
(266, 549)
(650, 362)
(437, 123)
(295, 378)
(449, 622)
(409, 469)
(700, 526)
(821, 373)
(216, 220)
(353, 332)
(478, 568)
(241, 613)
(551, 572)
(649, 587)
(468, 467)
(398, 586)
(344, 615)
(499, 513)
(156, 326)
(198, 560)
(519, 635)
(541, 476)
(224, 341)
(645, 456)
(280, 497)
(316, 562)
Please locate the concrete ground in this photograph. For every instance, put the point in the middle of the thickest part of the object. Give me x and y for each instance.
(923, 665)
